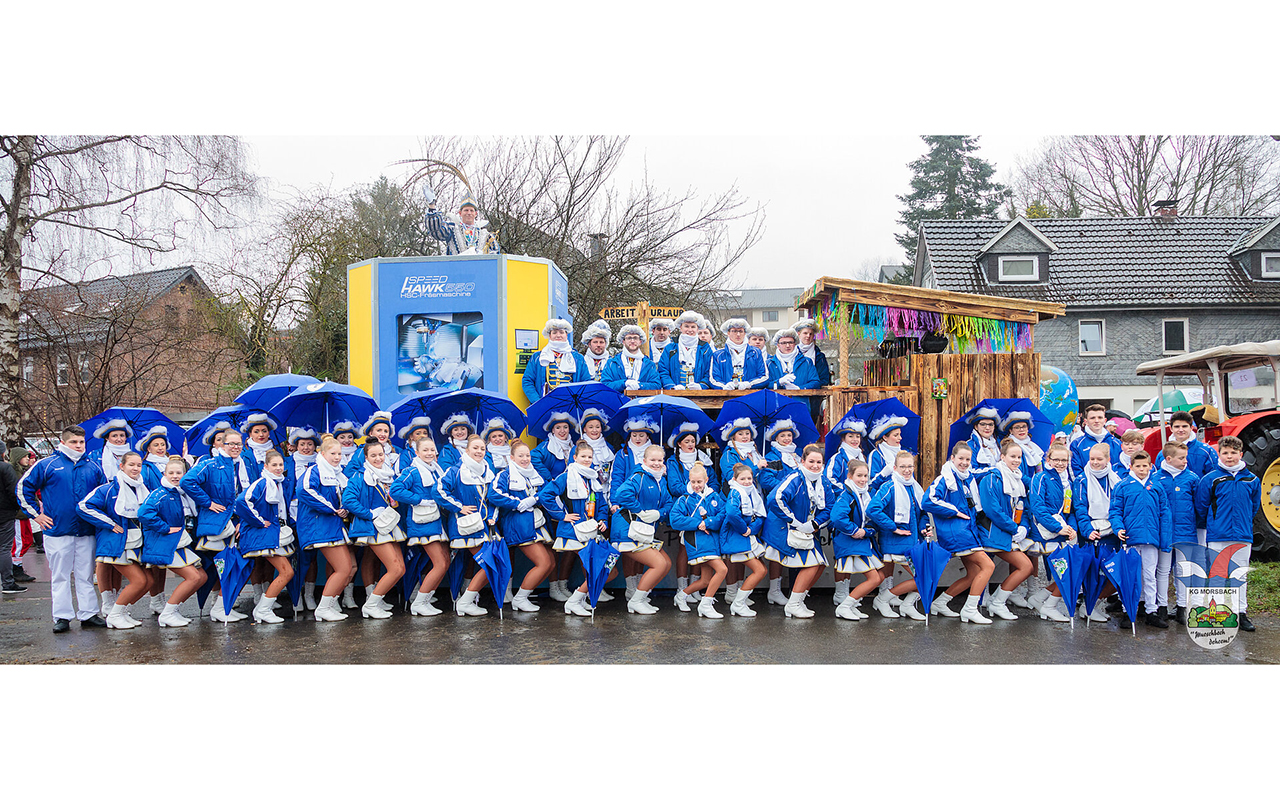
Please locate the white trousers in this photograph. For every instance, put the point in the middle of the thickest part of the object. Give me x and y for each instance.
(71, 555)
(1150, 558)
(1181, 588)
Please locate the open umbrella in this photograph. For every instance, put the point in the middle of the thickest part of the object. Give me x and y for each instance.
(140, 420)
(1067, 566)
(1041, 428)
(268, 391)
(765, 407)
(233, 573)
(408, 407)
(415, 566)
(494, 558)
(479, 406)
(928, 559)
(321, 404)
(876, 410)
(669, 410)
(1183, 399)
(598, 558)
(234, 414)
(1124, 570)
(573, 399)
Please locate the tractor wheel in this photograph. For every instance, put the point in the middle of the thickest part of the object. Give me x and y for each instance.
(1262, 455)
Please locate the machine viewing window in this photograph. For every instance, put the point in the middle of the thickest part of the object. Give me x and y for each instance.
(439, 351)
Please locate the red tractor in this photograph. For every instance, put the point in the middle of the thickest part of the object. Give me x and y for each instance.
(1241, 398)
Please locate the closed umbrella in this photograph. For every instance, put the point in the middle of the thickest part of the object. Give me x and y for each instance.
(598, 559)
(494, 558)
(928, 560)
(1124, 570)
(233, 573)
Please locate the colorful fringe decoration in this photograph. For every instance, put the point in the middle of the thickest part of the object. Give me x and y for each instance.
(878, 322)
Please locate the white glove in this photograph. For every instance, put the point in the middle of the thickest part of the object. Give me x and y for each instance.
(428, 194)
(527, 503)
(731, 386)
(702, 511)
(633, 384)
(805, 527)
(677, 387)
(651, 516)
(1020, 535)
(788, 381)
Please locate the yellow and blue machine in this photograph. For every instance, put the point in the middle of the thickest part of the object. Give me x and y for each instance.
(450, 322)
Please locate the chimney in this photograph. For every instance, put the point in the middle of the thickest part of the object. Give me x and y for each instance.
(1167, 208)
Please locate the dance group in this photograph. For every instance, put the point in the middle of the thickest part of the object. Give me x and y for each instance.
(734, 521)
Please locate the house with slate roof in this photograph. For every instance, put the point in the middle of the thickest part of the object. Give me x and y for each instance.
(1136, 288)
(771, 309)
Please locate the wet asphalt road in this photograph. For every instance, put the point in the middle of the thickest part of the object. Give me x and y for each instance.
(615, 637)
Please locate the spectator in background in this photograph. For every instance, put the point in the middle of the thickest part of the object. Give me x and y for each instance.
(24, 533)
(8, 516)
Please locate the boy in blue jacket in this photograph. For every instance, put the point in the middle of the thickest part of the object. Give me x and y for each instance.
(1140, 517)
(1179, 483)
(1200, 457)
(1227, 500)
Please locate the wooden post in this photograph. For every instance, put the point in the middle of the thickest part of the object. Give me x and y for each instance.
(642, 319)
(842, 332)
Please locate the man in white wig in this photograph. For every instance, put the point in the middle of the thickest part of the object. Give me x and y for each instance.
(687, 363)
(738, 365)
(555, 364)
(596, 338)
(660, 338)
(788, 367)
(629, 368)
(806, 329)
(758, 338)
(463, 233)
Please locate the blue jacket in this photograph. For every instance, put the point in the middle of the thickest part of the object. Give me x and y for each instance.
(623, 466)
(363, 501)
(754, 371)
(615, 376)
(672, 373)
(1084, 522)
(847, 518)
(677, 478)
(820, 365)
(691, 510)
(1080, 451)
(881, 511)
(737, 526)
(806, 374)
(259, 519)
(1142, 512)
(999, 510)
(946, 504)
(776, 469)
(355, 467)
(318, 520)
(728, 457)
(639, 492)
(161, 511)
(980, 466)
(534, 382)
(62, 483)
(1180, 492)
(1201, 458)
(215, 480)
(98, 508)
(552, 498)
(1227, 504)
(547, 465)
(837, 471)
(408, 489)
(291, 475)
(876, 465)
(790, 504)
(1046, 499)
(517, 527)
(151, 474)
(454, 493)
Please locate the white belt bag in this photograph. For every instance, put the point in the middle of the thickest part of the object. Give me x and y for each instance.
(133, 538)
(286, 535)
(539, 519)
(640, 531)
(585, 530)
(386, 520)
(426, 512)
(798, 540)
(470, 523)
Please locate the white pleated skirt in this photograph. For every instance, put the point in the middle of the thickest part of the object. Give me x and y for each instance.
(858, 564)
(802, 558)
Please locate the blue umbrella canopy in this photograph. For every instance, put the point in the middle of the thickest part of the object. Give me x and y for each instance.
(878, 410)
(408, 407)
(415, 566)
(1041, 428)
(598, 557)
(233, 573)
(319, 405)
(456, 574)
(140, 419)
(928, 559)
(235, 414)
(765, 407)
(1094, 581)
(1067, 566)
(268, 391)
(1124, 570)
(574, 398)
(494, 558)
(479, 406)
(668, 410)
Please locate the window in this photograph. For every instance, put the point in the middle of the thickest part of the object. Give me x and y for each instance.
(1271, 265)
(82, 363)
(771, 316)
(171, 316)
(1093, 337)
(62, 377)
(1018, 268)
(28, 369)
(1175, 336)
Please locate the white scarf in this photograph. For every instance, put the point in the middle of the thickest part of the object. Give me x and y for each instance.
(111, 455)
(637, 451)
(331, 475)
(901, 500)
(274, 494)
(862, 494)
(259, 450)
(74, 455)
(890, 454)
(474, 473)
(1013, 485)
(596, 363)
(1032, 454)
(159, 461)
(580, 480)
(1233, 471)
(657, 476)
(523, 479)
(813, 481)
(603, 455)
(747, 451)
(348, 450)
(300, 461)
(240, 465)
(1097, 437)
(501, 455)
(808, 349)
(378, 475)
(788, 452)
(954, 479)
(988, 450)
(688, 351)
(706, 490)
(693, 457)
(560, 353)
(750, 500)
(1126, 460)
(560, 448)
(1169, 468)
(737, 352)
(188, 503)
(787, 360)
(429, 473)
(656, 349)
(1142, 481)
(851, 452)
(631, 364)
(1099, 499)
(132, 493)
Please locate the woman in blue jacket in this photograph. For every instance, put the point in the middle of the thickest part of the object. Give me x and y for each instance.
(521, 523)
(320, 525)
(464, 491)
(1004, 493)
(576, 501)
(699, 513)
(886, 438)
(642, 502)
(213, 484)
(797, 509)
(456, 430)
(263, 511)
(739, 437)
(555, 452)
(154, 447)
(683, 444)
(377, 429)
(852, 539)
(375, 524)
(850, 433)
(415, 489)
(899, 521)
(112, 509)
(954, 502)
(1052, 515)
(167, 518)
(741, 540)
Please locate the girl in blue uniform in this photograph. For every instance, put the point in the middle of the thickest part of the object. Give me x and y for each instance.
(954, 501)
(415, 489)
(1051, 505)
(112, 509)
(639, 432)
(699, 514)
(305, 443)
(739, 437)
(497, 436)
(852, 541)
(263, 510)
(521, 523)
(167, 518)
(456, 430)
(642, 501)
(376, 429)
(464, 491)
(375, 523)
(320, 525)
(886, 438)
(685, 454)
(345, 432)
(740, 536)
(550, 458)
(1004, 493)
(899, 521)
(983, 441)
(800, 505)
(849, 433)
(114, 434)
(575, 500)
(1016, 425)
(154, 446)
(1092, 498)
(214, 484)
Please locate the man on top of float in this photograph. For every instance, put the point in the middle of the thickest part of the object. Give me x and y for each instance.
(462, 233)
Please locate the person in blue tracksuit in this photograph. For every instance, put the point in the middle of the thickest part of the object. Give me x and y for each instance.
(984, 441)
(415, 489)
(739, 437)
(1200, 457)
(168, 522)
(378, 428)
(497, 436)
(154, 446)
(886, 443)
(741, 539)
(575, 500)
(630, 368)
(1004, 493)
(596, 341)
(683, 443)
(954, 500)
(555, 451)
(455, 432)
(1131, 443)
(699, 515)
(797, 509)
(112, 509)
(659, 339)
(522, 523)
(643, 502)
(376, 524)
(305, 443)
(265, 532)
(781, 456)
(320, 525)
(555, 364)
(629, 458)
(1140, 517)
(852, 539)
(1016, 425)
(807, 330)
(788, 367)
(1091, 497)
(850, 433)
(1227, 499)
(1179, 483)
(1052, 506)
(1094, 432)
(686, 364)
(738, 365)
(464, 491)
(899, 523)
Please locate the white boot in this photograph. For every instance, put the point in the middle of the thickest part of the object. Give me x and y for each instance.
(349, 596)
(775, 596)
(263, 612)
(908, 607)
(885, 585)
(107, 599)
(559, 593)
(639, 604)
(577, 604)
(1038, 597)
(507, 597)
(997, 607)
(970, 611)
(309, 596)
(372, 608)
(521, 602)
(740, 606)
(795, 606)
(328, 611)
(633, 585)
(940, 608)
(120, 619)
(257, 589)
(730, 592)
(842, 592)
(1049, 609)
(468, 607)
(170, 618)
(682, 600)
(882, 604)
(856, 607)
(604, 597)
(845, 609)
(422, 606)
(382, 604)
(682, 583)
(157, 603)
(218, 615)
(706, 608)
(1018, 596)
(1099, 612)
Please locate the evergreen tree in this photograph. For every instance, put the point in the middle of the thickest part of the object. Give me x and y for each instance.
(948, 182)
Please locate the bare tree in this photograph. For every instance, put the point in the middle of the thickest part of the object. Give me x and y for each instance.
(71, 201)
(1123, 176)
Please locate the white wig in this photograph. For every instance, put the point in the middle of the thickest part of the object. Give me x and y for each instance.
(557, 325)
(659, 322)
(805, 322)
(736, 322)
(761, 332)
(786, 333)
(631, 330)
(689, 316)
(598, 328)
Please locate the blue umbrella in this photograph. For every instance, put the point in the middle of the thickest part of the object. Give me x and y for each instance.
(456, 574)
(302, 560)
(1041, 428)
(495, 560)
(1124, 570)
(573, 398)
(479, 406)
(765, 407)
(268, 391)
(598, 558)
(1067, 566)
(233, 574)
(1093, 581)
(140, 420)
(876, 410)
(408, 407)
(206, 564)
(415, 566)
(321, 404)
(928, 560)
(234, 414)
(669, 410)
